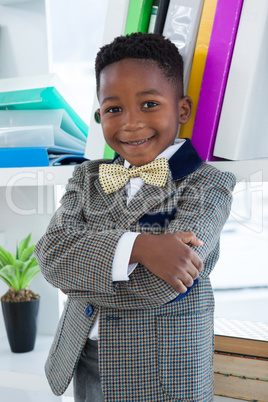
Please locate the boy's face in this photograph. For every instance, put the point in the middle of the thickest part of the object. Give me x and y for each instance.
(140, 110)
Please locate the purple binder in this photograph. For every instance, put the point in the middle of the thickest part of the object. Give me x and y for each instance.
(215, 76)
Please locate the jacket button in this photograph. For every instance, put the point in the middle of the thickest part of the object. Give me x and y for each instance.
(88, 310)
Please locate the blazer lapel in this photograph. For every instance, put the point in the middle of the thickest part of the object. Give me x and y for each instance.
(147, 198)
(182, 163)
(115, 203)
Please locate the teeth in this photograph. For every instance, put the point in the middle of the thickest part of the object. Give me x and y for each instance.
(138, 142)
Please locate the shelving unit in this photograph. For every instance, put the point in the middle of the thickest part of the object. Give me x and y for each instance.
(28, 199)
(248, 170)
(39, 176)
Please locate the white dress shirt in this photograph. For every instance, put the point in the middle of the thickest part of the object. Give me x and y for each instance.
(121, 268)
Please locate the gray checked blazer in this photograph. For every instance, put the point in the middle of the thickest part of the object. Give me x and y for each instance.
(154, 344)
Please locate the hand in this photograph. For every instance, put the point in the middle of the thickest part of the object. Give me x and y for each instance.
(169, 257)
(189, 237)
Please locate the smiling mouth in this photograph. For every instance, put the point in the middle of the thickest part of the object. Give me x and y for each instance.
(137, 142)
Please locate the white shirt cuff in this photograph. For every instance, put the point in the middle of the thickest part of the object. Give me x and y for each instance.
(121, 268)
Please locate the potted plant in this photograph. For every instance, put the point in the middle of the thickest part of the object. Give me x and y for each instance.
(20, 305)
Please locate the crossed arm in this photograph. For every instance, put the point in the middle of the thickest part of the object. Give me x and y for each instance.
(74, 258)
(169, 257)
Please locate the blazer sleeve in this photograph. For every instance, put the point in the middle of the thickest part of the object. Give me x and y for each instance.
(70, 255)
(203, 208)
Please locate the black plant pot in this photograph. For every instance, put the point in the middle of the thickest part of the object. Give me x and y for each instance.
(21, 324)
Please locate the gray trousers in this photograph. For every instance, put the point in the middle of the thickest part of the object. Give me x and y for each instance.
(86, 379)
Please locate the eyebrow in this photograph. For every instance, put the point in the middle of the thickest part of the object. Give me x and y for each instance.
(139, 95)
(109, 98)
(148, 92)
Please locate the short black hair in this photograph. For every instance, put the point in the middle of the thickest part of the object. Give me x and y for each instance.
(143, 46)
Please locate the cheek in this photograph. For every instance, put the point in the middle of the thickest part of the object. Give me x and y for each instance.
(160, 122)
(166, 123)
(106, 127)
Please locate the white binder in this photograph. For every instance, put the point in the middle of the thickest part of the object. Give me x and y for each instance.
(37, 128)
(243, 126)
(181, 27)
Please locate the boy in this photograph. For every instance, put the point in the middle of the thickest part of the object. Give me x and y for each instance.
(134, 256)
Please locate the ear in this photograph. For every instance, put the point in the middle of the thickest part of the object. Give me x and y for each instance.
(97, 116)
(185, 109)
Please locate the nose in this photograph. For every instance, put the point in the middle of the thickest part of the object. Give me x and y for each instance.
(132, 120)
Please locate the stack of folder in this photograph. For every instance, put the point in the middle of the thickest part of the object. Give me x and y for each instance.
(219, 56)
(39, 125)
(199, 62)
(223, 44)
(243, 125)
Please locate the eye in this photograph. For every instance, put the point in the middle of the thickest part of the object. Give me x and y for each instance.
(150, 104)
(114, 109)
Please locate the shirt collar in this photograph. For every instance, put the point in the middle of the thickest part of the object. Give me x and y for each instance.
(167, 153)
(184, 161)
(183, 158)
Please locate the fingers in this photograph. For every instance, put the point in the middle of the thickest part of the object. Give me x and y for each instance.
(189, 237)
(184, 276)
(190, 268)
(169, 257)
(197, 262)
(179, 286)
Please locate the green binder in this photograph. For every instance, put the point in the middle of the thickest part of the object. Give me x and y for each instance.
(138, 17)
(40, 98)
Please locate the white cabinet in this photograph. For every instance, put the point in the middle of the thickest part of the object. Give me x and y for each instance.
(28, 198)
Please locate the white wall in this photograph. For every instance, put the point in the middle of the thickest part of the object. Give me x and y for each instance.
(23, 39)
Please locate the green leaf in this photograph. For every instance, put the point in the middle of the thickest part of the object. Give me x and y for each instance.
(27, 253)
(18, 271)
(9, 276)
(23, 245)
(33, 262)
(19, 265)
(29, 275)
(5, 278)
(6, 257)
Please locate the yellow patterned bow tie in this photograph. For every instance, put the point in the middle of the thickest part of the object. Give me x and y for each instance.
(113, 176)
